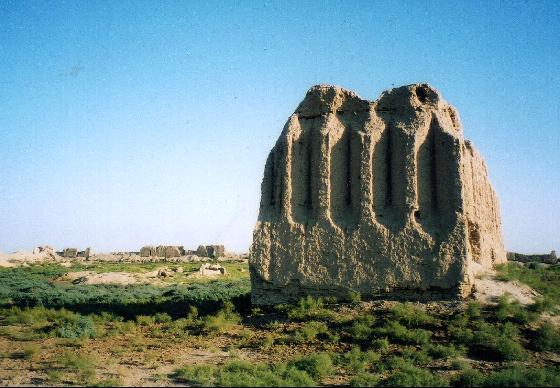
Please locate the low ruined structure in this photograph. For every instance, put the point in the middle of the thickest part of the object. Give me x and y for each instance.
(166, 251)
(550, 258)
(212, 251)
(373, 196)
(147, 251)
(70, 252)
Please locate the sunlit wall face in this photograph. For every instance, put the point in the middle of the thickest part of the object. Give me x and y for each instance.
(130, 123)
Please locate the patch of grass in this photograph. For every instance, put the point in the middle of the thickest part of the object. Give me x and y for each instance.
(225, 320)
(41, 322)
(468, 377)
(107, 383)
(310, 330)
(411, 376)
(315, 365)
(309, 308)
(488, 341)
(411, 315)
(362, 328)
(354, 297)
(31, 351)
(512, 310)
(402, 334)
(364, 380)
(380, 344)
(33, 286)
(83, 366)
(548, 338)
(544, 280)
(357, 360)
(416, 357)
(520, 376)
(244, 374)
(439, 351)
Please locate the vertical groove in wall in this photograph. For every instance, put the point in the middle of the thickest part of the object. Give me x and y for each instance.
(304, 174)
(345, 179)
(272, 175)
(379, 178)
(388, 176)
(427, 181)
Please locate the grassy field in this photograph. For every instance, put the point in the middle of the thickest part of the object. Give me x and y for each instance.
(199, 332)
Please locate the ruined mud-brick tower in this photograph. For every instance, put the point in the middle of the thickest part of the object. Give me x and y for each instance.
(377, 197)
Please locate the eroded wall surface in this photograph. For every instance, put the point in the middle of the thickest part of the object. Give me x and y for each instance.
(374, 196)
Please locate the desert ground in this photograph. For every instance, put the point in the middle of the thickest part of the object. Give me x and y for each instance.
(77, 322)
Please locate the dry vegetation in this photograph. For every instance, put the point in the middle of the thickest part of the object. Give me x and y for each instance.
(204, 332)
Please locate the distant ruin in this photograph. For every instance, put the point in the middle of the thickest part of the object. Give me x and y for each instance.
(162, 251)
(550, 258)
(378, 197)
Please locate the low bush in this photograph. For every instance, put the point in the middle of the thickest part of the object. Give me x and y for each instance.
(362, 328)
(31, 351)
(32, 286)
(512, 310)
(357, 360)
(416, 357)
(354, 297)
(244, 374)
(468, 378)
(364, 380)
(520, 376)
(444, 351)
(545, 280)
(411, 376)
(548, 338)
(309, 308)
(310, 330)
(491, 342)
(411, 315)
(401, 334)
(315, 365)
(223, 321)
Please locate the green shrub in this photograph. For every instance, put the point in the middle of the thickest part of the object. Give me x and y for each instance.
(244, 374)
(163, 318)
(364, 380)
(315, 365)
(401, 334)
(354, 297)
(416, 357)
(309, 308)
(489, 341)
(508, 309)
(30, 351)
(443, 351)
(548, 338)
(82, 365)
(145, 320)
(310, 330)
(411, 315)
(107, 383)
(473, 310)
(362, 327)
(544, 280)
(519, 376)
(380, 344)
(33, 286)
(76, 327)
(358, 361)
(223, 321)
(468, 378)
(411, 376)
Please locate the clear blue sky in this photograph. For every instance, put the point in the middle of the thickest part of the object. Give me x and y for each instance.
(125, 123)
